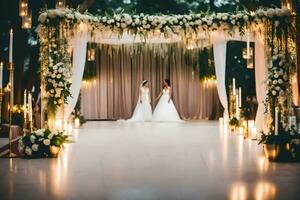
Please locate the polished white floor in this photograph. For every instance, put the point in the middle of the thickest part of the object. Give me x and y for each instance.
(163, 161)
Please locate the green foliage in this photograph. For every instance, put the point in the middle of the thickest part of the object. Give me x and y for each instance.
(206, 62)
(234, 122)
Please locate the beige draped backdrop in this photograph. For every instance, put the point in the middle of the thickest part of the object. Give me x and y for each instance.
(120, 69)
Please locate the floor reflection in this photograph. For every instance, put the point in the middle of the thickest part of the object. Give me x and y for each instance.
(238, 192)
(265, 191)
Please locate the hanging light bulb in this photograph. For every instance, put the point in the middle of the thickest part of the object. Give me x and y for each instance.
(60, 4)
(23, 8)
(27, 20)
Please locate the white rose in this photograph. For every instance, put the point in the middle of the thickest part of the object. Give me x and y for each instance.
(58, 76)
(246, 18)
(274, 92)
(46, 142)
(275, 82)
(285, 77)
(40, 132)
(276, 76)
(32, 139)
(35, 147)
(28, 151)
(42, 17)
(280, 81)
(277, 88)
(233, 22)
(281, 93)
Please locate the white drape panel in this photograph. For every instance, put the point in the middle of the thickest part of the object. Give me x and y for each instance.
(260, 76)
(79, 45)
(220, 67)
(219, 40)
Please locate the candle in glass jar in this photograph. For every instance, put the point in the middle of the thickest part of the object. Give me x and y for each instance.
(11, 38)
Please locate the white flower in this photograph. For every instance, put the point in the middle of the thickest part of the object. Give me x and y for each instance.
(35, 147)
(270, 12)
(58, 76)
(32, 139)
(246, 18)
(46, 142)
(276, 76)
(28, 151)
(233, 22)
(52, 13)
(42, 17)
(276, 23)
(280, 81)
(21, 146)
(40, 132)
(285, 77)
(274, 92)
(281, 93)
(277, 88)
(275, 82)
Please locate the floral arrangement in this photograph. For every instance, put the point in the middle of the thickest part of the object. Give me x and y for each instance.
(278, 90)
(57, 25)
(38, 144)
(144, 23)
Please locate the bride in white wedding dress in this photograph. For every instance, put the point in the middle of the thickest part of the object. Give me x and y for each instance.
(165, 110)
(143, 110)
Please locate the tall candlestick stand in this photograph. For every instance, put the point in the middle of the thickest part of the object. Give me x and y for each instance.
(10, 154)
(1, 94)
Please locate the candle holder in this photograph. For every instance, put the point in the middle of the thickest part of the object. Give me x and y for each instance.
(10, 68)
(1, 95)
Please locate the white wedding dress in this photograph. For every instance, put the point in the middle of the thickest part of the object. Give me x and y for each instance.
(143, 110)
(165, 111)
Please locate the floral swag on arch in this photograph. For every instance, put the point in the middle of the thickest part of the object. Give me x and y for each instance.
(57, 27)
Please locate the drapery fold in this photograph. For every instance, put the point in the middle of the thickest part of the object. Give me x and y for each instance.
(120, 69)
(79, 45)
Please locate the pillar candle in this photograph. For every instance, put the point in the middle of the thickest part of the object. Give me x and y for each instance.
(29, 107)
(11, 45)
(233, 86)
(276, 121)
(1, 75)
(25, 104)
(240, 97)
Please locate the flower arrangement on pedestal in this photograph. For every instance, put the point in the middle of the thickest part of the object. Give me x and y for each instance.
(42, 143)
(280, 136)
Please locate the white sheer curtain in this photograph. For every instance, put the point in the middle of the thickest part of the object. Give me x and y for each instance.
(219, 40)
(79, 45)
(220, 67)
(260, 75)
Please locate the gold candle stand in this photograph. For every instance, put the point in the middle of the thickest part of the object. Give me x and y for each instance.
(10, 68)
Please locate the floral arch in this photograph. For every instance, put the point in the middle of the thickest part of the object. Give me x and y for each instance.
(64, 35)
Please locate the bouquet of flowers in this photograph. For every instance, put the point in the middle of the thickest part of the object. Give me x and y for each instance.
(39, 144)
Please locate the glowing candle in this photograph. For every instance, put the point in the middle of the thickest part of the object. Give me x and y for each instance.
(25, 105)
(1, 75)
(253, 133)
(77, 123)
(237, 106)
(11, 35)
(221, 120)
(276, 121)
(233, 86)
(29, 107)
(240, 97)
